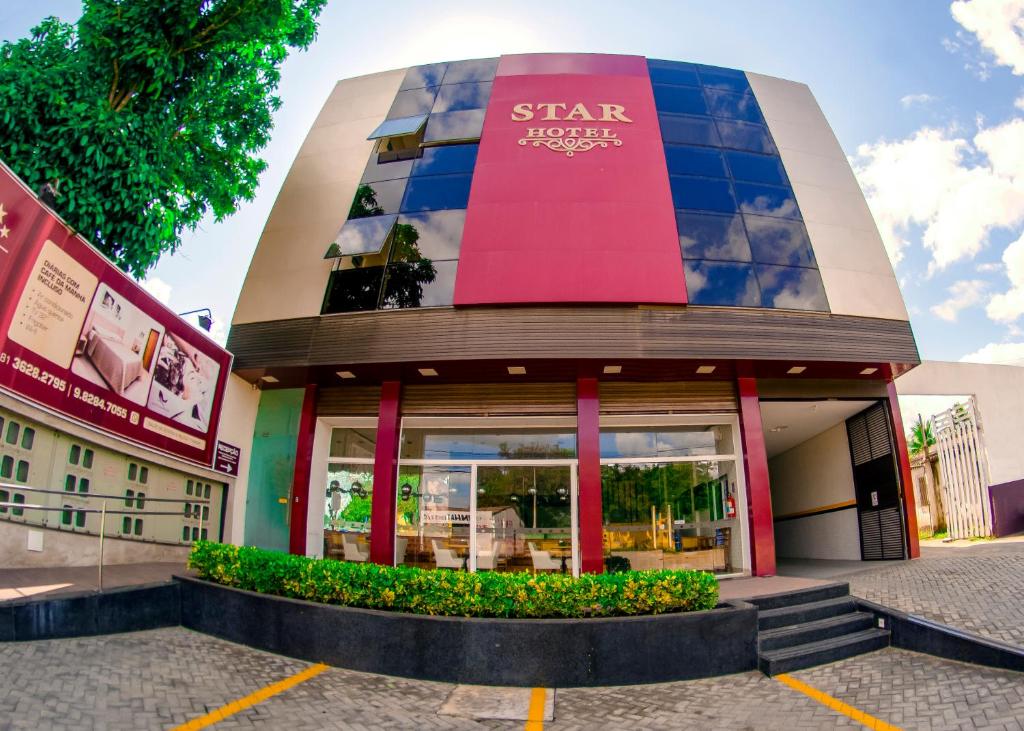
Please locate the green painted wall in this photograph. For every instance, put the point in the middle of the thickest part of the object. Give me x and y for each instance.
(272, 468)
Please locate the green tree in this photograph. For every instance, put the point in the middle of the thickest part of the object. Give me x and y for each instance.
(148, 114)
(921, 436)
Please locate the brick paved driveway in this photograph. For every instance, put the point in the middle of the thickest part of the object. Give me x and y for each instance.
(161, 678)
(979, 588)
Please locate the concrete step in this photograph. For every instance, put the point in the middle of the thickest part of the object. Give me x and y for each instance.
(819, 629)
(801, 596)
(802, 613)
(798, 657)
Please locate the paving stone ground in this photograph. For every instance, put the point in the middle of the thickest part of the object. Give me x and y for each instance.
(979, 588)
(160, 678)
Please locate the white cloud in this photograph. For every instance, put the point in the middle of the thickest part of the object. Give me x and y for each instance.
(956, 189)
(158, 288)
(963, 294)
(998, 26)
(1009, 305)
(988, 267)
(1002, 353)
(911, 99)
(1019, 103)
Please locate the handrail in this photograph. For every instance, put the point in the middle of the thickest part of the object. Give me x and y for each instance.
(137, 511)
(69, 493)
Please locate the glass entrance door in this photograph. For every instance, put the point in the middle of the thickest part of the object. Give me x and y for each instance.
(525, 518)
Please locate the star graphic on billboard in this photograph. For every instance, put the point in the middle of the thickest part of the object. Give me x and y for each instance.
(5, 232)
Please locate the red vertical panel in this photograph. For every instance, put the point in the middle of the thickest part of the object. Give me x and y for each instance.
(903, 461)
(385, 475)
(303, 465)
(588, 448)
(759, 496)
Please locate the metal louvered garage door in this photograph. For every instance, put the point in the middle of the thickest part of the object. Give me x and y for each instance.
(876, 482)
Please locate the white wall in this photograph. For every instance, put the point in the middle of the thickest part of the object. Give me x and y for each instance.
(237, 421)
(812, 475)
(999, 393)
(855, 268)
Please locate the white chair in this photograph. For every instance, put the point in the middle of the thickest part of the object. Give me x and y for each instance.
(542, 560)
(400, 545)
(354, 550)
(445, 558)
(487, 560)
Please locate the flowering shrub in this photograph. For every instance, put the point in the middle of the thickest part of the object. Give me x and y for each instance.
(454, 593)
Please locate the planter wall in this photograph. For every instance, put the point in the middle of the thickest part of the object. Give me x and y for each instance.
(513, 652)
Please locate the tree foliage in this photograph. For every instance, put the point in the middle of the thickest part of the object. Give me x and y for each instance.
(921, 436)
(148, 114)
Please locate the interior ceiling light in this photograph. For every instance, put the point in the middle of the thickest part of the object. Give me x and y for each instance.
(612, 370)
(795, 370)
(705, 370)
(346, 374)
(427, 371)
(517, 370)
(781, 427)
(868, 371)
(268, 379)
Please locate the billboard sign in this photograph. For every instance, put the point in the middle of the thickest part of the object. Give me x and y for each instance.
(79, 337)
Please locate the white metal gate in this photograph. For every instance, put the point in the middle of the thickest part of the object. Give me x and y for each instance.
(963, 466)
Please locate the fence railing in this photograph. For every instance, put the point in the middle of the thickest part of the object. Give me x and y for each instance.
(963, 464)
(102, 510)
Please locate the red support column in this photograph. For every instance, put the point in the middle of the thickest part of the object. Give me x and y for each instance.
(385, 475)
(300, 480)
(588, 448)
(759, 496)
(906, 483)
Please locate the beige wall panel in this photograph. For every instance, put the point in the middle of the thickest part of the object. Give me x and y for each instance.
(833, 207)
(63, 548)
(288, 275)
(823, 171)
(842, 247)
(781, 98)
(811, 135)
(864, 294)
(237, 421)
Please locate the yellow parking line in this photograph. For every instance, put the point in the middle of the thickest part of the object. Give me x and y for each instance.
(535, 716)
(836, 705)
(219, 714)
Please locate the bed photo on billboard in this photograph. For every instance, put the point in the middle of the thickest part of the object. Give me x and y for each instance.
(184, 383)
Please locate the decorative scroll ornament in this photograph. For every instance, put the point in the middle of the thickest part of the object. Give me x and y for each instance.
(570, 145)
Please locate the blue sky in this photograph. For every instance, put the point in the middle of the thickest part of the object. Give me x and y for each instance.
(930, 108)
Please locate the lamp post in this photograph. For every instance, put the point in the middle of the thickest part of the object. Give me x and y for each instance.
(205, 321)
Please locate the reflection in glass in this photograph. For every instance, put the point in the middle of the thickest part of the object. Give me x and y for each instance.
(378, 169)
(792, 288)
(439, 235)
(419, 76)
(756, 168)
(733, 106)
(446, 159)
(679, 515)
(353, 290)
(376, 199)
(684, 160)
(679, 100)
(454, 126)
(481, 69)
(347, 511)
(425, 283)
(745, 136)
(413, 102)
(767, 200)
(777, 241)
(353, 443)
(672, 72)
(719, 283)
(363, 235)
(487, 444)
(398, 127)
(688, 130)
(702, 193)
(721, 78)
(432, 517)
(705, 236)
(437, 192)
(671, 441)
(458, 97)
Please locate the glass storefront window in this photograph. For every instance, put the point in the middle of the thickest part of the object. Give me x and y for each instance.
(663, 442)
(347, 511)
(473, 444)
(432, 524)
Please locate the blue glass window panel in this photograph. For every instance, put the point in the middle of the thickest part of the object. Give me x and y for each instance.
(458, 97)
(430, 235)
(396, 127)
(721, 283)
(688, 130)
(377, 171)
(670, 72)
(694, 161)
(778, 241)
(446, 159)
(480, 69)
(419, 76)
(679, 100)
(792, 288)
(707, 236)
(745, 136)
(756, 168)
(703, 194)
(421, 284)
(377, 199)
(364, 235)
(719, 78)
(353, 290)
(412, 103)
(765, 200)
(454, 126)
(437, 192)
(733, 106)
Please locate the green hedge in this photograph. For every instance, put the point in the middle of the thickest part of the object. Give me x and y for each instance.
(454, 593)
